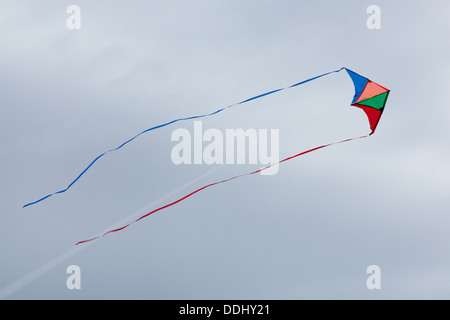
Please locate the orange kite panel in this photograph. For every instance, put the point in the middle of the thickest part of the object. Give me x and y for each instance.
(372, 89)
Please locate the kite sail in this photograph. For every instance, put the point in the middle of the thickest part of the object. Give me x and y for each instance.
(369, 96)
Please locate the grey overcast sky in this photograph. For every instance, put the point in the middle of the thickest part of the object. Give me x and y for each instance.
(308, 232)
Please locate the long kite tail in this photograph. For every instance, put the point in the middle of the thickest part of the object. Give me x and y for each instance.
(171, 122)
(216, 183)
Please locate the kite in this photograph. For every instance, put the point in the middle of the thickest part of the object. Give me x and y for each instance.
(369, 96)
